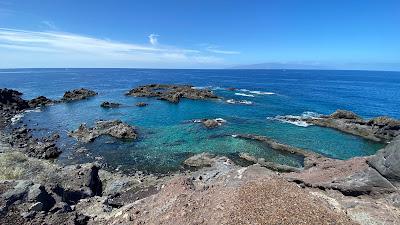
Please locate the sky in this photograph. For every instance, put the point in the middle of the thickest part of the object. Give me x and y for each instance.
(336, 34)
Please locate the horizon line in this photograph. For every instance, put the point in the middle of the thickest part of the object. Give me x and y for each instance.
(148, 68)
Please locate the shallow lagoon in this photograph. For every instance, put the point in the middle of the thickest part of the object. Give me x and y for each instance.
(166, 135)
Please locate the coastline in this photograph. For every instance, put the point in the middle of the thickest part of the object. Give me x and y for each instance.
(359, 190)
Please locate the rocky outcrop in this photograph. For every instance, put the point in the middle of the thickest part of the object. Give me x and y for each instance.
(210, 123)
(11, 99)
(40, 101)
(286, 149)
(43, 148)
(110, 105)
(200, 160)
(141, 104)
(171, 93)
(78, 94)
(351, 177)
(386, 161)
(114, 128)
(270, 165)
(11, 104)
(381, 129)
(344, 114)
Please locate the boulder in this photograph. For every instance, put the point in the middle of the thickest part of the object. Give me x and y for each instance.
(386, 161)
(365, 182)
(78, 183)
(114, 128)
(110, 105)
(78, 94)
(37, 207)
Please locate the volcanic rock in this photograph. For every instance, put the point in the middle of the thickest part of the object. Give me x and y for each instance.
(171, 93)
(40, 101)
(78, 94)
(110, 105)
(380, 129)
(141, 104)
(114, 128)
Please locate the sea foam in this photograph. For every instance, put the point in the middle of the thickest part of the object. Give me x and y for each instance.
(245, 95)
(243, 102)
(297, 120)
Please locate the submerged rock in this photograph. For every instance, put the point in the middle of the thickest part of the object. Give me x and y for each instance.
(200, 160)
(171, 93)
(114, 128)
(78, 94)
(110, 105)
(141, 104)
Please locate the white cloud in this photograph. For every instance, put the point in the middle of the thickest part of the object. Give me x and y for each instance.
(49, 24)
(215, 49)
(69, 50)
(153, 39)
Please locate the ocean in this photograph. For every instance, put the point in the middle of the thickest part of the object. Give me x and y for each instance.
(166, 135)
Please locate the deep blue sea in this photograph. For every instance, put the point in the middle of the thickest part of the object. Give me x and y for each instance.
(166, 136)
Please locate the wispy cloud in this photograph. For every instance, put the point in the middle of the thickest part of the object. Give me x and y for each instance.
(218, 50)
(153, 39)
(71, 47)
(49, 24)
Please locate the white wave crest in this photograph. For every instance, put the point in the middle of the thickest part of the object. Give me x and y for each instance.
(243, 102)
(17, 118)
(261, 93)
(297, 120)
(257, 92)
(245, 95)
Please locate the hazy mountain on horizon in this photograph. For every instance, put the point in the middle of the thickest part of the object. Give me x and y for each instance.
(282, 66)
(317, 66)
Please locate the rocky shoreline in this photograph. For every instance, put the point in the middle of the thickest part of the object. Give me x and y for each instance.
(382, 129)
(35, 190)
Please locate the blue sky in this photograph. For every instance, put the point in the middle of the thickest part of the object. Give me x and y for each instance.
(200, 34)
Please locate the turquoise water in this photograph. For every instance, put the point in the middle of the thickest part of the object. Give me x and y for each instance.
(166, 135)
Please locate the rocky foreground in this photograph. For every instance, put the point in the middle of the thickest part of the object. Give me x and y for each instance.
(35, 190)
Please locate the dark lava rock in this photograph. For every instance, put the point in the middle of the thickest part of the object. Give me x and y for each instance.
(380, 129)
(114, 128)
(12, 99)
(40, 101)
(141, 104)
(344, 114)
(171, 93)
(43, 148)
(110, 105)
(78, 94)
